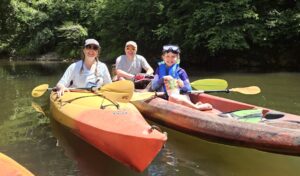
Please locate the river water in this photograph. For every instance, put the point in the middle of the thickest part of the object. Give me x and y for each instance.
(48, 149)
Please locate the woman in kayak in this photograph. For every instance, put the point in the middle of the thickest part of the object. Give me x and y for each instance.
(173, 80)
(131, 65)
(86, 73)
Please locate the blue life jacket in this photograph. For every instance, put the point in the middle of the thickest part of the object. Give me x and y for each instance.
(163, 70)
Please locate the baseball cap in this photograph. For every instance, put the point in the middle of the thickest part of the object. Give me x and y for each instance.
(132, 43)
(91, 42)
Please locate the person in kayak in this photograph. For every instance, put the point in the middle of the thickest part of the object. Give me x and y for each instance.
(86, 73)
(173, 80)
(131, 65)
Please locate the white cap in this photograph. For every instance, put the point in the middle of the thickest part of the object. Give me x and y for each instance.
(132, 43)
(91, 42)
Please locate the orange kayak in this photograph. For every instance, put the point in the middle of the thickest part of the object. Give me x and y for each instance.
(117, 129)
(230, 122)
(9, 167)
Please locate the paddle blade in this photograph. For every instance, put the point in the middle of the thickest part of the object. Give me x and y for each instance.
(137, 96)
(39, 90)
(246, 90)
(118, 90)
(209, 84)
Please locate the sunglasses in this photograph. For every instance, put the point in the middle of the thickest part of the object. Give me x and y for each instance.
(93, 47)
(130, 48)
(171, 48)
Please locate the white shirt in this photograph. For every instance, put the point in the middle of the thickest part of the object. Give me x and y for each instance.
(85, 78)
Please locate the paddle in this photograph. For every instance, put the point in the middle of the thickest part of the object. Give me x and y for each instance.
(251, 90)
(120, 91)
(243, 90)
(201, 84)
(209, 84)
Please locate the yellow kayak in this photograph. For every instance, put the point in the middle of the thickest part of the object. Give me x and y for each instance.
(117, 129)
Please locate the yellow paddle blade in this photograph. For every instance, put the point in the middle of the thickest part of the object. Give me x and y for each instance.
(246, 90)
(117, 96)
(137, 96)
(123, 86)
(120, 91)
(39, 90)
(209, 84)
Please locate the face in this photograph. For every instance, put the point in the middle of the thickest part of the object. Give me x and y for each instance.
(91, 51)
(170, 58)
(130, 51)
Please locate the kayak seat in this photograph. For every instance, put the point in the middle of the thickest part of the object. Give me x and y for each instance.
(245, 115)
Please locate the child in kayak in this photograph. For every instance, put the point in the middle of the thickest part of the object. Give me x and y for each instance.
(86, 73)
(173, 80)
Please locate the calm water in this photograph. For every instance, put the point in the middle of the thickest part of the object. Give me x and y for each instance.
(48, 149)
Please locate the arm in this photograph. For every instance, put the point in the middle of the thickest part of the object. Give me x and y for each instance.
(67, 76)
(157, 82)
(106, 75)
(184, 82)
(146, 66)
(65, 80)
(120, 72)
(124, 74)
(149, 71)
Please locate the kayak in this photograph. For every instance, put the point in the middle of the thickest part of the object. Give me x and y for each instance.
(229, 122)
(117, 129)
(9, 167)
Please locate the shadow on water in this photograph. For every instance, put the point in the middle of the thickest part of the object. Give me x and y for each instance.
(48, 149)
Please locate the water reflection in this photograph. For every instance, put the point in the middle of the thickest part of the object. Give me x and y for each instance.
(89, 160)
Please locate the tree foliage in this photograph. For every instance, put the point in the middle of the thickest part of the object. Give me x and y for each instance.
(239, 31)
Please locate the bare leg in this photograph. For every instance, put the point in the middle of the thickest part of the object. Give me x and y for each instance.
(176, 97)
(185, 100)
(204, 106)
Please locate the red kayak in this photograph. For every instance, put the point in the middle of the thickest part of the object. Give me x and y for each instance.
(230, 122)
(9, 167)
(117, 129)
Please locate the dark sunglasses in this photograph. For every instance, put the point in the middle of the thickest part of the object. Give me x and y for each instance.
(171, 48)
(93, 47)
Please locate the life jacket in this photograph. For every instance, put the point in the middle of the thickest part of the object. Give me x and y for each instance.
(163, 70)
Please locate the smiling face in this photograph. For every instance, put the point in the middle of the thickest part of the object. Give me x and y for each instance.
(130, 51)
(170, 58)
(91, 51)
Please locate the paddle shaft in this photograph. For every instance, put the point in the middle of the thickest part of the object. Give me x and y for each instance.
(196, 92)
(205, 91)
(202, 91)
(209, 91)
(93, 89)
(243, 90)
